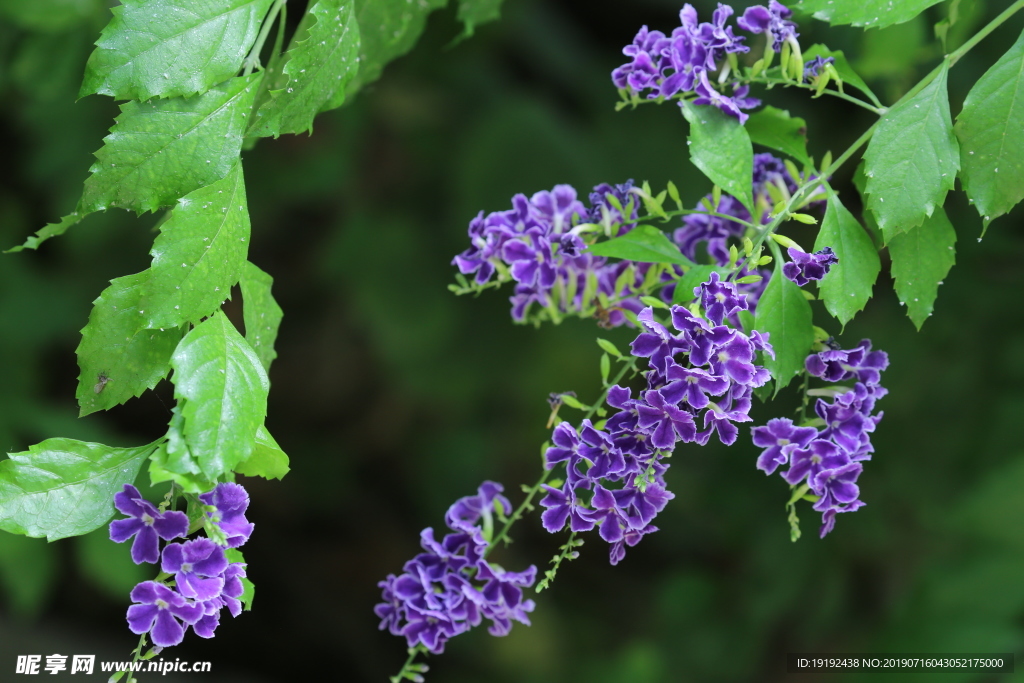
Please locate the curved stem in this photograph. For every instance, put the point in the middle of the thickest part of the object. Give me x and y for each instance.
(407, 669)
(252, 60)
(765, 80)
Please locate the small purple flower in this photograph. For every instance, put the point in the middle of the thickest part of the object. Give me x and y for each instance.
(780, 437)
(158, 612)
(146, 523)
(198, 567)
(467, 511)
(719, 299)
(773, 20)
(562, 505)
(806, 267)
(692, 385)
(837, 365)
(814, 67)
(733, 106)
(231, 501)
(817, 456)
(617, 550)
(837, 486)
(531, 258)
(665, 422)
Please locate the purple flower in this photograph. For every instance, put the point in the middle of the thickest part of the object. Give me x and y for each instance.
(146, 523)
(558, 208)
(837, 365)
(467, 511)
(813, 67)
(719, 299)
(719, 38)
(809, 461)
(602, 211)
(665, 422)
(617, 551)
(806, 267)
(773, 20)
(692, 386)
(837, 487)
(561, 505)
(733, 106)
(198, 567)
(229, 597)
(158, 612)
(231, 501)
(780, 437)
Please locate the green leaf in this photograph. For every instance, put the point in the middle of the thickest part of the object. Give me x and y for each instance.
(895, 51)
(775, 128)
(847, 287)
(921, 259)
(644, 243)
(267, 459)
(991, 132)
(785, 314)
(316, 71)
(225, 389)
(608, 347)
(912, 159)
(62, 487)
(118, 359)
(865, 13)
(159, 152)
(173, 461)
(683, 293)
(261, 314)
(50, 230)
(720, 147)
(387, 29)
(199, 254)
(842, 67)
(472, 13)
(165, 48)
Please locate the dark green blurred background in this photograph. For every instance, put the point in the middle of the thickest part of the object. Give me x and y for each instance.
(393, 397)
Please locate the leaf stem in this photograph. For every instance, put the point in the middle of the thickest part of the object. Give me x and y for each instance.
(764, 80)
(407, 671)
(252, 60)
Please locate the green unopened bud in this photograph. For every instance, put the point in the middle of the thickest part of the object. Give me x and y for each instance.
(834, 75)
(793, 170)
(764, 260)
(758, 67)
(673, 192)
(716, 197)
(786, 49)
(826, 161)
(734, 255)
(804, 218)
(784, 241)
(769, 55)
(748, 247)
(796, 60)
(822, 83)
(747, 279)
(653, 301)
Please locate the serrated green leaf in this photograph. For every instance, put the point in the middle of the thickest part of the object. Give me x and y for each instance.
(50, 15)
(776, 129)
(912, 159)
(841, 65)
(173, 461)
(62, 487)
(720, 147)
(163, 48)
(316, 71)
(683, 293)
(991, 132)
(45, 233)
(921, 258)
(847, 287)
(865, 13)
(267, 459)
(387, 29)
(261, 314)
(159, 152)
(118, 359)
(199, 254)
(472, 13)
(785, 314)
(225, 389)
(644, 244)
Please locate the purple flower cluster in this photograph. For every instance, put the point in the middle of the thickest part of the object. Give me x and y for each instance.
(539, 244)
(451, 588)
(807, 267)
(699, 382)
(205, 581)
(828, 460)
(664, 66)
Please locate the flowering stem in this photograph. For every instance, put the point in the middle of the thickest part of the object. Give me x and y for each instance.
(411, 671)
(764, 80)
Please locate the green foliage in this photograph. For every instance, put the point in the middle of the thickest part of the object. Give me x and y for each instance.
(118, 359)
(720, 147)
(161, 151)
(387, 29)
(645, 244)
(776, 129)
(316, 71)
(842, 67)
(472, 13)
(224, 387)
(27, 570)
(912, 159)
(921, 258)
(865, 13)
(784, 313)
(248, 589)
(847, 287)
(63, 487)
(199, 254)
(991, 132)
(261, 314)
(161, 48)
(267, 459)
(46, 232)
(50, 15)
(173, 461)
